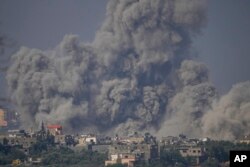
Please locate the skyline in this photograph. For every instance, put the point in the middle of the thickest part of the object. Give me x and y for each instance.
(147, 66)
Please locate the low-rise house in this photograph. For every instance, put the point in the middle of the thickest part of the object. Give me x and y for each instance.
(245, 139)
(125, 159)
(55, 129)
(86, 139)
(91, 139)
(34, 161)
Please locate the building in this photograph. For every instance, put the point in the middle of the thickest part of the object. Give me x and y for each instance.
(91, 139)
(191, 152)
(245, 139)
(143, 152)
(169, 140)
(34, 161)
(194, 152)
(24, 142)
(55, 129)
(125, 159)
(3, 122)
(87, 139)
(17, 133)
(133, 139)
(60, 139)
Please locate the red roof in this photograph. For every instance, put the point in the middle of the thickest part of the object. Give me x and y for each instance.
(54, 127)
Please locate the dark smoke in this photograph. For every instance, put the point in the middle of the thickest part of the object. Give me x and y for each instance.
(135, 76)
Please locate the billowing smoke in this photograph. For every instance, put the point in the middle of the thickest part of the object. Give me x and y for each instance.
(188, 106)
(230, 115)
(135, 76)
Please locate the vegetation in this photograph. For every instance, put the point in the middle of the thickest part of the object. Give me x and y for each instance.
(65, 156)
(8, 154)
(220, 150)
(216, 153)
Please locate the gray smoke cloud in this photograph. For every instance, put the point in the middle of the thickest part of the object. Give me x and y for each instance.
(229, 117)
(188, 106)
(135, 76)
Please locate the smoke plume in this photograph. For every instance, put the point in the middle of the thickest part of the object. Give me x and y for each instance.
(136, 75)
(230, 115)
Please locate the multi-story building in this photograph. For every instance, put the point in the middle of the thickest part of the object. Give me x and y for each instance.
(142, 152)
(18, 138)
(196, 153)
(191, 152)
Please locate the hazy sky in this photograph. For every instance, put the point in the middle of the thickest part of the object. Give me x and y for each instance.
(224, 45)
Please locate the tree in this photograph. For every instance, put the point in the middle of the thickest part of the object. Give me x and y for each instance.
(5, 141)
(172, 158)
(210, 162)
(216, 149)
(38, 148)
(8, 154)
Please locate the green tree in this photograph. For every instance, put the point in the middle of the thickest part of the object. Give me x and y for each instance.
(8, 154)
(210, 162)
(172, 158)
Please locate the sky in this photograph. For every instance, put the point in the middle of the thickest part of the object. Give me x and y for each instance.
(224, 45)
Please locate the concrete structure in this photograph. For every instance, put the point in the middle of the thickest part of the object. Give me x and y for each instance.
(3, 122)
(34, 161)
(125, 159)
(60, 139)
(55, 129)
(91, 139)
(142, 152)
(16, 133)
(191, 152)
(245, 139)
(81, 141)
(23, 142)
(169, 140)
(132, 139)
(87, 139)
(194, 152)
